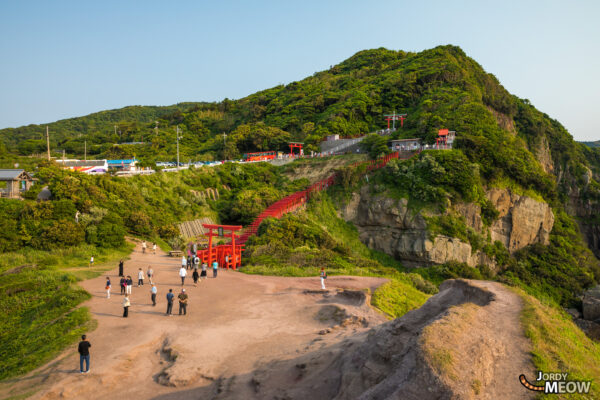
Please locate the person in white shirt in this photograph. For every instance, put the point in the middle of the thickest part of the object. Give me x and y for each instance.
(144, 246)
(154, 248)
(140, 278)
(183, 262)
(323, 276)
(153, 293)
(182, 274)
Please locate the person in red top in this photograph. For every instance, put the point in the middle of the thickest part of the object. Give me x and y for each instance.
(84, 354)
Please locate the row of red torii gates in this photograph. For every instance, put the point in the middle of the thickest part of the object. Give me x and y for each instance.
(230, 255)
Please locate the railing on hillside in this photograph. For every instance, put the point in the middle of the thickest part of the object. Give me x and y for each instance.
(345, 145)
(298, 199)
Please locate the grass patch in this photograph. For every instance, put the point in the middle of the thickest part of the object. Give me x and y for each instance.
(440, 339)
(39, 299)
(396, 298)
(559, 345)
(506, 183)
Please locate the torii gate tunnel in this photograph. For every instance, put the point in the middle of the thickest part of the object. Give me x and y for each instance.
(226, 255)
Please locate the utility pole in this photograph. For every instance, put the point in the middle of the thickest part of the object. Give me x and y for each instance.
(224, 136)
(115, 130)
(85, 150)
(63, 157)
(48, 142)
(178, 137)
(156, 128)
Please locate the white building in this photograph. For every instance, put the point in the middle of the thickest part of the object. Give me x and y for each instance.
(406, 144)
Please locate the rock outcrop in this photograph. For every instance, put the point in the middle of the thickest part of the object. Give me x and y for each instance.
(521, 221)
(542, 153)
(591, 304)
(390, 226)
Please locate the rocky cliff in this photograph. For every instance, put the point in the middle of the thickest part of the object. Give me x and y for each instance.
(521, 221)
(390, 225)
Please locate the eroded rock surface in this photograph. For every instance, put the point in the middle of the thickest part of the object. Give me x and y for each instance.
(390, 226)
(522, 220)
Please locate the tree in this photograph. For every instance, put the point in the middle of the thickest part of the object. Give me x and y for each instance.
(375, 145)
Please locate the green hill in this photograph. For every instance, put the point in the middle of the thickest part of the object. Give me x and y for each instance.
(502, 142)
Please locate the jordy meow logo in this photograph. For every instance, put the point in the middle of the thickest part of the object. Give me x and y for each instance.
(556, 383)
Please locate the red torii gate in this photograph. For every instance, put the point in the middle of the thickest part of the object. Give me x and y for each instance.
(395, 117)
(295, 145)
(227, 255)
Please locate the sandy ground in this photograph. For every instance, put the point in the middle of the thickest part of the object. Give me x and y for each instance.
(235, 324)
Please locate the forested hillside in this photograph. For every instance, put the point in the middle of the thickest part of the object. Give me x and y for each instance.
(438, 88)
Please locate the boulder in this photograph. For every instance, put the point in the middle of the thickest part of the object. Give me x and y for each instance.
(591, 304)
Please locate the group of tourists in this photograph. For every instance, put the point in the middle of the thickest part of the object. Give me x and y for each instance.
(126, 284)
(193, 263)
(199, 272)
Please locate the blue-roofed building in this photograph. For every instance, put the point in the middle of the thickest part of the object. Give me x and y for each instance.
(122, 165)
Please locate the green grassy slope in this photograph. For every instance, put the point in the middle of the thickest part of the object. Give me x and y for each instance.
(39, 298)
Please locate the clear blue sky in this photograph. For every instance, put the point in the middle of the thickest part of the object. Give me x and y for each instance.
(62, 59)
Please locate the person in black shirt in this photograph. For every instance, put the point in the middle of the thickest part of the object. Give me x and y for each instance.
(122, 283)
(121, 268)
(170, 297)
(84, 354)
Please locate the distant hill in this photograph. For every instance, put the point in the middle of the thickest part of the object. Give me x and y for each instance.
(592, 144)
(438, 88)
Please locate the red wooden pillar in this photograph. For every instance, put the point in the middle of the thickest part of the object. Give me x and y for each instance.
(210, 236)
(233, 255)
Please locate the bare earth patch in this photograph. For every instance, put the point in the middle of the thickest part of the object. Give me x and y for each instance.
(257, 337)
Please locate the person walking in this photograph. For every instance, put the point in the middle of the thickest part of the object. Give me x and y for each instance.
(196, 262)
(182, 274)
(140, 277)
(150, 274)
(170, 297)
(153, 248)
(123, 284)
(183, 299)
(153, 293)
(183, 262)
(203, 272)
(108, 286)
(189, 262)
(195, 275)
(126, 304)
(121, 265)
(143, 247)
(129, 284)
(323, 276)
(215, 267)
(91, 261)
(84, 354)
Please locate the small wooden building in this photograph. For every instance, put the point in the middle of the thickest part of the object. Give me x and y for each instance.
(406, 144)
(17, 181)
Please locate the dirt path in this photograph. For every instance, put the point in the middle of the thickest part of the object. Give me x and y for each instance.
(234, 324)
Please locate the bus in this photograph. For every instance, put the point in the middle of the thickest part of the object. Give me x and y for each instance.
(260, 156)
